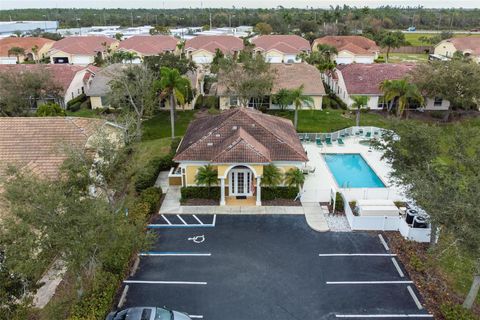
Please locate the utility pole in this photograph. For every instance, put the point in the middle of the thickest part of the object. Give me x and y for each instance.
(131, 17)
(210, 20)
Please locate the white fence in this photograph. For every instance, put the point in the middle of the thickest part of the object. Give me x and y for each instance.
(315, 195)
(355, 194)
(367, 132)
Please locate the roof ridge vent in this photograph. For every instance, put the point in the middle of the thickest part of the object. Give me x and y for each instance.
(209, 144)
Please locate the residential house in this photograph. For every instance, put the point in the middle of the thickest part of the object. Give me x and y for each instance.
(286, 76)
(36, 143)
(468, 46)
(281, 48)
(81, 50)
(202, 49)
(238, 143)
(351, 49)
(98, 86)
(36, 48)
(72, 80)
(146, 45)
(350, 80)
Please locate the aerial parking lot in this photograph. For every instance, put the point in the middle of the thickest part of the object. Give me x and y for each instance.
(270, 267)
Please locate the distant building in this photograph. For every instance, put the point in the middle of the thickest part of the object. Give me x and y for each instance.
(468, 46)
(81, 50)
(98, 87)
(10, 27)
(351, 49)
(281, 48)
(350, 80)
(36, 48)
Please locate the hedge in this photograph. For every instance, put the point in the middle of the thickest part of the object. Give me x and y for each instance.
(339, 204)
(79, 99)
(146, 204)
(272, 193)
(200, 193)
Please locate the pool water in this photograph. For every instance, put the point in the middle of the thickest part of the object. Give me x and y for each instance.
(352, 171)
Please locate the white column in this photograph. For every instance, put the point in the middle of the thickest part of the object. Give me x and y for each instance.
(259, 193)
(222, 191)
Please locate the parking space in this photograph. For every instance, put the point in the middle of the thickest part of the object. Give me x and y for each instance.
(270, 267)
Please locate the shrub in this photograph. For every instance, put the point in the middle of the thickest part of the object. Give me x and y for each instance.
(438, 114)
(50, 110)
(380, 59)
(263, 108)
(74, 107)
(152, 197)
(200, 193)
(272, 193)
(456, 312)
(417, 264)
(326, 102)
(81, 98)
(339, 204)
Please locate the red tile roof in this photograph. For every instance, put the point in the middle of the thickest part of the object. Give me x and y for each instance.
(366, 78)
(35, 143)
(227, 44)
(291, 44)
(26, 43)
(466, 44)
(241, 135)
(83, 45)
(355, 44)
(62, 74)
(149, 45)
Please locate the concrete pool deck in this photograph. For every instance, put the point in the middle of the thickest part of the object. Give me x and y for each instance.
(319, 184)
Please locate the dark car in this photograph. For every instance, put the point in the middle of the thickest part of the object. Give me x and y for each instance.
(147, 313)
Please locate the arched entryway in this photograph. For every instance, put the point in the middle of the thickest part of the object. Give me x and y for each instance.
(240, 182)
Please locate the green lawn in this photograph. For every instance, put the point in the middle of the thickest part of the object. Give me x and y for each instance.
(406, 57)
(329, 120)
(413, 38)
(159, 126)
(85, 113)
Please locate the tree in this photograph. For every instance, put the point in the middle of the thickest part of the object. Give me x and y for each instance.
(132, 91)
(35, 53)
(272, 176)
(252, 79)
(295, 177)
(170, 60)
(403, 92)
(20, 91)
(217, 59)
(283, 98)
(391, 40)
(172, 86)
(263, 28)
(326, 51)
(119, 36)
(206, 175)
(50, 110)
(17, 52)
(456, 81)
(299, 100)
(358, 103)
(159, 30)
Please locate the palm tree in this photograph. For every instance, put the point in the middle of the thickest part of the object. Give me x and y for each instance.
(172, 85)
(272, 176)
(295, 177)
(129, 56)
(207, 176)
(359, 102)
(299, 100)
(17, 52)
(403, 92)
(35, 53)
(283, 98)
(326, 51)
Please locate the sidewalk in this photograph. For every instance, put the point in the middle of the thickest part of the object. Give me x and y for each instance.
(315, 216)
(51, 279)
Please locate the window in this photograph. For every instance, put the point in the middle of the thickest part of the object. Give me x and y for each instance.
(437, 102)
(233, 101)
(382, 103)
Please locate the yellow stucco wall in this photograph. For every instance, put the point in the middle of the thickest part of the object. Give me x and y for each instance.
(317, 102)
(96, 103)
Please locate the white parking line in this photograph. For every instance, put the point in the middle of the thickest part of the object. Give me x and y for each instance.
(194, 316)
(414, 297)
(165, 218)
(164, 282)
(214, 220)
(382, 240)
(174, 254)
(368, 282)
(196, 218)
(400, 272)
(384, 315)
(357, 255)
(183, 221)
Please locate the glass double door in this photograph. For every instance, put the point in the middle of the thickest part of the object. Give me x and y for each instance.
(240, 182)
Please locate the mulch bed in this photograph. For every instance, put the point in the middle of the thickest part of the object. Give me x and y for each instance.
(423, 271)
(200, 202)
(281, 203)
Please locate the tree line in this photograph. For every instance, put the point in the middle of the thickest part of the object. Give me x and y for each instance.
(340, 19)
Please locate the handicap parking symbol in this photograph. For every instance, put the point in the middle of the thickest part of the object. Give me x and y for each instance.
(197, 239)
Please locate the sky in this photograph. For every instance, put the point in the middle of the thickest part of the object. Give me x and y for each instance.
(169, 4)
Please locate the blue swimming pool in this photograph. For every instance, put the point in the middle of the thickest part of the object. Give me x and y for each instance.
(352, 171)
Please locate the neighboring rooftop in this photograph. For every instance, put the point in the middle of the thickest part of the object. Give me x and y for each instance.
(466, 44)
(83, 45)
(26, 43)
(99, 85)
(354, 44)
(149, 45)
(35, 143)
(284, 43)
(241, 135)
(62, 74)
(366, 78)
(226, 44)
